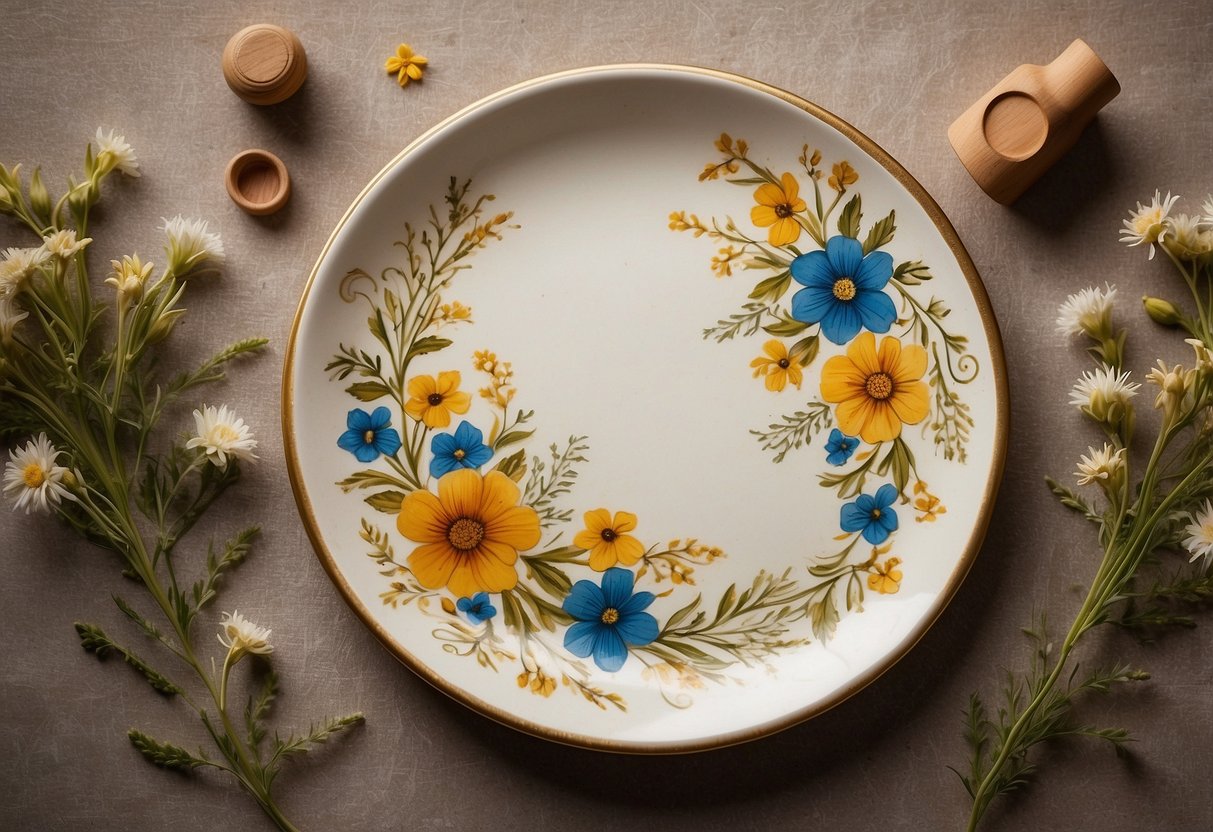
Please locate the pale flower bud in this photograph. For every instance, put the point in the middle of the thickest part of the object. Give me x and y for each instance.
(128, 278)
(1161, 311)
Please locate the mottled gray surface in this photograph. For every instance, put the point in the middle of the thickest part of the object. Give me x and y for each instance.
(899, 71)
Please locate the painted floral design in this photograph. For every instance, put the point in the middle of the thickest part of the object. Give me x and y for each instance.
(607, 540)
(828, 281)
(478, 608)
(489, 541)
(843, 289)
(464, 448)
(872, 516)
(876, 390)
(368, 435)
(470, 533)
(840, 447)
(609, 619)
(433, 400)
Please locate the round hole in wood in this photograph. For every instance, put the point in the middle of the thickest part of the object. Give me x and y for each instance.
(258, 182)
(1015, 126)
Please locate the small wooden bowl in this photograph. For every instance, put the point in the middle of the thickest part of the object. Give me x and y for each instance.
(264, 63)
(258, 182)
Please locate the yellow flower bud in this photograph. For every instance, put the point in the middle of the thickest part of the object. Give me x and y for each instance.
(1161, 311)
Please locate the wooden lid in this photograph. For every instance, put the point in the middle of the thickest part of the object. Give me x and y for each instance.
(264, 64)
(257, 181)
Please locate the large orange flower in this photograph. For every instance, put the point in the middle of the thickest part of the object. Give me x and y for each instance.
(777, 205)
(433, 400)
(876, 391)
(470, 533)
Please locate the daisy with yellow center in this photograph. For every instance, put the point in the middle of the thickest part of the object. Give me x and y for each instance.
(777, 208)
(877, 391)
(777, 367)
(433, 400)
(406, 65)
(470, 532)
(32, 478)
(607, 540)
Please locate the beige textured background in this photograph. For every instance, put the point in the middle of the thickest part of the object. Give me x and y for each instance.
(899, 71)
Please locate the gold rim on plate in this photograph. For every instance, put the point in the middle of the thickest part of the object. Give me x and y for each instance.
(1001, 430)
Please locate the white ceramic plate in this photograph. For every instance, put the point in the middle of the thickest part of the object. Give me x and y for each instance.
(645, 408)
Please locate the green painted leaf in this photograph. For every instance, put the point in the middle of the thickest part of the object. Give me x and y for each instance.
(430, 343)
(911, 273)
(367, 391)
(773, 288)
(513, 466)
(511, 438)
(785, 327)
(805, 350)
(848, 220)
(386, 501)
(881, 233)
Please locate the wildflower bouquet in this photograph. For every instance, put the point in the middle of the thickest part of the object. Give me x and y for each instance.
(1143, 519)
(79, 383)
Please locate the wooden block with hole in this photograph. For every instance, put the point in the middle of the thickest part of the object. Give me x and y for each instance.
(1017, 130)
(258, 182)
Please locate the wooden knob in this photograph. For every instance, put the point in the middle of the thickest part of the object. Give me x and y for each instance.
(1017, 130)
(257, 181)
(264, 64)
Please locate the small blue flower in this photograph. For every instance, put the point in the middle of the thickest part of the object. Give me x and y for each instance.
(369, 435)
(477, 608)
(466, 449)
(844, 290)
(839, 447)
(609, 618)
(872, 515)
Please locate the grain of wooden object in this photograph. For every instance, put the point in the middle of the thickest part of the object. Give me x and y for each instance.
(264, 64)
(258, 182)
(1018, 129)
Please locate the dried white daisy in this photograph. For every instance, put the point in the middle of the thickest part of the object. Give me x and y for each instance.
(220, 433)
(63, 244)
(1104, 466)
(239, 635)
(113, 152)
(191, 247)
(1199, 541)
(1149, 222)
(1088, 311)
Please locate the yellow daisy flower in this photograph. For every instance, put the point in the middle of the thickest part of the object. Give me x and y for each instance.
(885, 577)
(777, 367)
(876, 391)
(470, 532)
(406, 65)
(433, 400)
(777, 205)
(607, 539)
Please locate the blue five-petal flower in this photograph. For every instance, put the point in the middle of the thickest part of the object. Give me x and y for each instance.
(839, 447)
(477, 608)
(609, 618)
(368, 434)
(464, 449)
(844, 290)
(872, 515)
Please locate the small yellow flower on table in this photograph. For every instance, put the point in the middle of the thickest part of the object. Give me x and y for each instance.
(406, 65)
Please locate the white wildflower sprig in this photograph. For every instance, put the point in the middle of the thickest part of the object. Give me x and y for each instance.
(241, 636)
(191, 247)
(113, 153)
(1199, 540)
(92, 374)
(1140, 519)
(221, 434)
(1148, 223)
(1089, 312)
(1103, 466)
